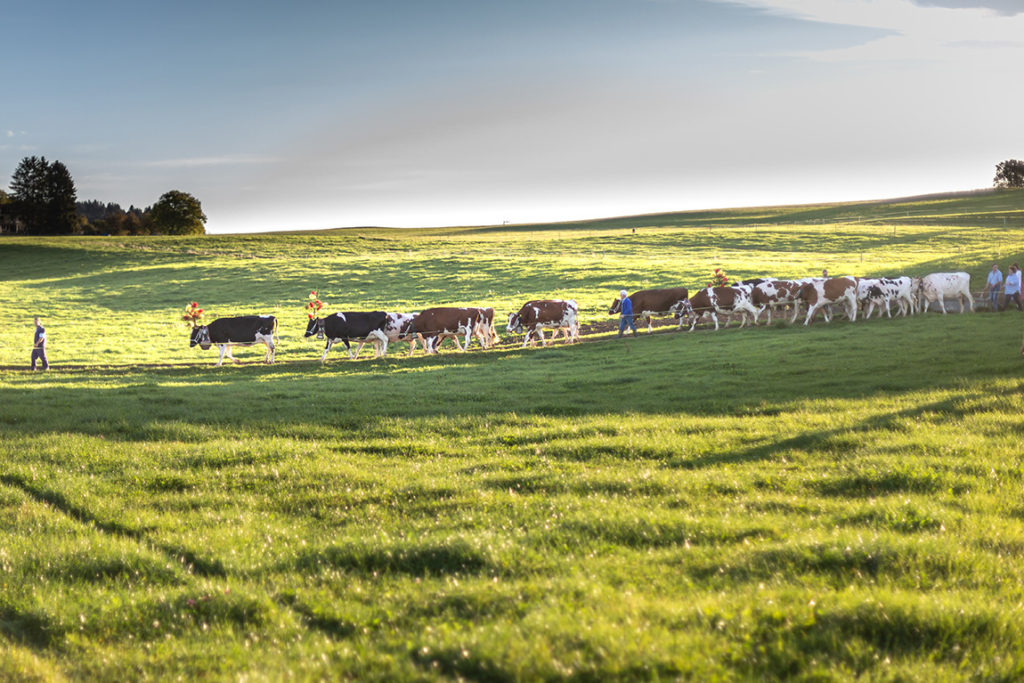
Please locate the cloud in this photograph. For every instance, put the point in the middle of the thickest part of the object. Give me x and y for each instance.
(1006, 7)
(203, 162)
(917, 30)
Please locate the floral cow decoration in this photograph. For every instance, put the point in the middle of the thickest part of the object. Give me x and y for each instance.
(719, 278)
(314, 306)
(193, 315)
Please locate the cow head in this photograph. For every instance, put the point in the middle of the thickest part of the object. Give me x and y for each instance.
(200, 335)
(616, 307)
(514, 323)
(315, 326)
(681, 309)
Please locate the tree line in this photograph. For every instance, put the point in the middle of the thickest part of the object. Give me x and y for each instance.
(43, 201)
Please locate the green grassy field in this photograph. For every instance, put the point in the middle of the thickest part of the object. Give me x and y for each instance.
(831, 502)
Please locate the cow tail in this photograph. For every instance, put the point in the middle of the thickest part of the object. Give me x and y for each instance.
(277, 340)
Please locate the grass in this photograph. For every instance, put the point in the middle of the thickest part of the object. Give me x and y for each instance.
(833, 502)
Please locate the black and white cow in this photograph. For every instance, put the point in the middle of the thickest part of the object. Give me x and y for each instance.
(350, 326)
(244, 330)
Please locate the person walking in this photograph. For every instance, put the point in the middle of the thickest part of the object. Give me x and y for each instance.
(1012, 289)
(39, 346)
(625, 313)
(992, 285)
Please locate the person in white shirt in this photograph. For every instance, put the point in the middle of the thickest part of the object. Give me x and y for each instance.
(1012, 287)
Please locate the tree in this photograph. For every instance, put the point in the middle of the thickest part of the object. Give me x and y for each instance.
(1009, 173)
(60, 215)
(177, 213)
(44, 195)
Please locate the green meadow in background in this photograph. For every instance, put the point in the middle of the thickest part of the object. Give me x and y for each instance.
(829, 502)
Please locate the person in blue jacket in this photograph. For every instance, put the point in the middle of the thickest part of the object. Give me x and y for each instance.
(626, 313)
(992, 286)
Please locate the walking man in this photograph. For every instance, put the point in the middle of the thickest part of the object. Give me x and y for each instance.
(626, 313)
(39, 346)
(993, 285)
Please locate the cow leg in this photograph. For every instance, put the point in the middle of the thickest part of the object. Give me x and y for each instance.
(231, 355)
(220, 360)
(970, 302)
(888, 310)
(942, 302)
(650, 324)
(327, 347)
(811, 310)
(270, 351)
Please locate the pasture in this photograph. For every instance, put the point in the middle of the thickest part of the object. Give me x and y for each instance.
(828, 502)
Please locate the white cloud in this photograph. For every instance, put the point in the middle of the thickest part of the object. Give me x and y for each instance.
(917, 31)
(202, 162)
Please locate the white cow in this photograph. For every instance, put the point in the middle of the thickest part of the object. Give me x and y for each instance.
(939, 286)
(883, 292)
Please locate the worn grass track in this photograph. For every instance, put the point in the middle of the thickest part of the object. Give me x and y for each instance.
(832, 502)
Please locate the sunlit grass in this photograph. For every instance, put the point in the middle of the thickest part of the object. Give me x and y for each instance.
(834, 502)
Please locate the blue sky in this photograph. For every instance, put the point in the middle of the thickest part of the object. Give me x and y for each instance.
(312, 114)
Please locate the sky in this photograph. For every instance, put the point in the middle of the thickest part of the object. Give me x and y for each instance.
(336, 113)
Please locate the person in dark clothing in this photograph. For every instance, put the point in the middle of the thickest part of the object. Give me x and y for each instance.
(39, 346)
(626, 314)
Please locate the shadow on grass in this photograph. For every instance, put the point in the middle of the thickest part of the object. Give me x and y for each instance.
(729, 374)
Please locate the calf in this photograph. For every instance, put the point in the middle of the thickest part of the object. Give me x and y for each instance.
(819, 293)
(648, 303)
(714, 300)
(351, 326)
(534, 316)
(938, 286)
(244, 330)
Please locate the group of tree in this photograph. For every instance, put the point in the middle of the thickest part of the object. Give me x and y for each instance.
(43, 201)
(1009, 173)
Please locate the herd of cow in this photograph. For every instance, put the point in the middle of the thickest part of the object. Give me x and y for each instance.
(748, 298)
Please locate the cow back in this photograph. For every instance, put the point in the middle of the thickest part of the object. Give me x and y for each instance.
(241, 329)
(354, 324)
(657, 300)
(440, 319)
(546, 312)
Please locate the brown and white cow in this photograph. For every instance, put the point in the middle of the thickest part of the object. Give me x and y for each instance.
(648, 303)
(399, 328)
(713, 301)
(537, 315)
(433, 325)
(484, 330)
(820, 292)
(772, 294)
